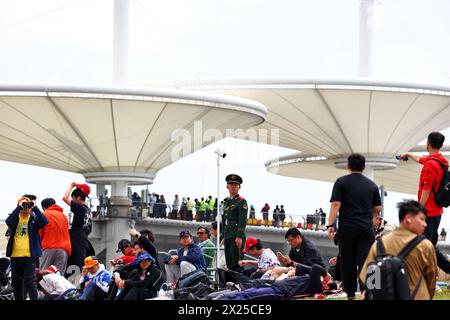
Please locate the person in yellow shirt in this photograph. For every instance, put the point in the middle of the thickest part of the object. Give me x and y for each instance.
(24, 246)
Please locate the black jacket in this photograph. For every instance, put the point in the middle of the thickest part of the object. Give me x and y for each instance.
(308, 254)
(150, 248)
(306, 281)
(152, 282)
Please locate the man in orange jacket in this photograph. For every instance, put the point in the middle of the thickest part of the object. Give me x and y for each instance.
(55, 237)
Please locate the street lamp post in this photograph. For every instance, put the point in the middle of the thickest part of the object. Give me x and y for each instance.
(219, 154)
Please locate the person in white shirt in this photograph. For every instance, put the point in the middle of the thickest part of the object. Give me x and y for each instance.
(266, 258)
(52, 285)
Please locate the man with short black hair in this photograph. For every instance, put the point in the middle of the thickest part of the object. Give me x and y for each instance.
(420, 263)
(303, 251)
(146, 238)
(55, 237)
(189, 258)
(430, 179)
(355, 197)
(80, 222)
(203, 235)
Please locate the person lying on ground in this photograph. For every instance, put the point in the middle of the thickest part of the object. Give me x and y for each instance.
(299, 281)
(52, 285)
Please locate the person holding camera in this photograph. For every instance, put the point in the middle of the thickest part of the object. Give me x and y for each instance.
(24, 246)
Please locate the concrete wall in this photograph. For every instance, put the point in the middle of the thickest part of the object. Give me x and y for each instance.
(166, 234)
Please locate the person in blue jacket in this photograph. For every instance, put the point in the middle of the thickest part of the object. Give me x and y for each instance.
(24, 246)
(189, 258)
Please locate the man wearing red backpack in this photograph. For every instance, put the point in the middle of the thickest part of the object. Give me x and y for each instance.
(430, 179)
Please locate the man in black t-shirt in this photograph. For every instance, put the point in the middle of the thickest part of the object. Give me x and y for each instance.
(80, 223)
(355, 197)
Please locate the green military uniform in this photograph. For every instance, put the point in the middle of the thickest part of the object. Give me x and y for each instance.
(234, 220)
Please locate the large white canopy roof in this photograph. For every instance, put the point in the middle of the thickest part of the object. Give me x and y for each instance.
(123, 131)
(329, 117)
(404, 178)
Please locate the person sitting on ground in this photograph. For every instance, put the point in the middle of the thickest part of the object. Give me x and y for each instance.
(267, 260)
(303, 251)
(381, 226)
(128, 257)
(146, 238)
(421, 262)
(205, 243)
(303, 280)
(95, 280)
(52, 285)
(189, 258)
(121, 272)
(144, 282)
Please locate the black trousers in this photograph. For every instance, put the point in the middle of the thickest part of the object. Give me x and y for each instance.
(113, 289)
(431, 231)
(135, 294)
(24, 278)
(432, 234)
(354, 246)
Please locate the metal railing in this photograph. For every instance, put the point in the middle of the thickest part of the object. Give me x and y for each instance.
(142, 210)
(208, 270)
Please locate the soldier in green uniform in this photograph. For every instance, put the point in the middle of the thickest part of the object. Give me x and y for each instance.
(234, 220)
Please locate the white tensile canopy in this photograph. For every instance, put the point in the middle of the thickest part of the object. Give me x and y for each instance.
(329, 119)
(121, 132)
(404, 178)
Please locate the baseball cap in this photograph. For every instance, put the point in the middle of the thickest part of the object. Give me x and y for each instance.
(185, 233)
(144, 256)
(90, 262)
(53, 269)
(84, 188)
(250, 242)
(123, 244)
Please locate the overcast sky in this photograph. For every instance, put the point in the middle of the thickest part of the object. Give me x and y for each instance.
(70, 42)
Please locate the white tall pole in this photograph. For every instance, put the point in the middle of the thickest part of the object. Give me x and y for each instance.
(219, 216)
(366, 37)
(120, 41)
(369, 172)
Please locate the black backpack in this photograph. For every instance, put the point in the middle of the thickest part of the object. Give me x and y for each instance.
(193, 278)
(442, 196)
(390, 275)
